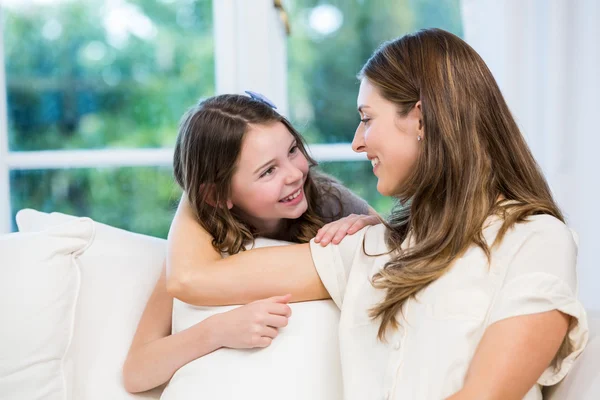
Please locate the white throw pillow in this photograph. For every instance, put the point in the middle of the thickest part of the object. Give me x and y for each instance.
(302, 363)
(39, 286)
(119, 270)
(118, 273)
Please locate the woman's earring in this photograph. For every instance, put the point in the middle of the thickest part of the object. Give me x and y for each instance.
(419, 138)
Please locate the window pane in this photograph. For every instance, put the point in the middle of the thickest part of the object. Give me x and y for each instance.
(143, 199)
(138, 199)
(91, 74)
(330, 42)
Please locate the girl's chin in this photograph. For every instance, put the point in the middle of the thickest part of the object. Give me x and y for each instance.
(300, 209)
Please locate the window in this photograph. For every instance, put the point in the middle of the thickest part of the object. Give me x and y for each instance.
(102, 75)
(330, 42)
(141, 199)
(95, 90)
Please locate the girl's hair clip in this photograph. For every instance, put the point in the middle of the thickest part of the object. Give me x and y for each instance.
(261, 98)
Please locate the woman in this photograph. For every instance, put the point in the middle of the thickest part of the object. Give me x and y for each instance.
(245, 173)
(469, 290)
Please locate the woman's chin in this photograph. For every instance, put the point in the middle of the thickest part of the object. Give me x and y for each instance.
(383, 189)
(386, 189)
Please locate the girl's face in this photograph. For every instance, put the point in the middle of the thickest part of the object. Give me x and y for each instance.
(390, 141)
(268, 184)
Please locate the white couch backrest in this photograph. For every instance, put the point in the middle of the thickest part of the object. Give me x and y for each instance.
(119, 270)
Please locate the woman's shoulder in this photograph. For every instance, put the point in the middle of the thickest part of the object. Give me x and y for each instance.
(541, 243)
(545, 226)
(539, 225)
(374, 241)
(536, 233)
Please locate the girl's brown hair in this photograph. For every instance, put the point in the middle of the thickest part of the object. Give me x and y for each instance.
(472, 155)
(208, 145)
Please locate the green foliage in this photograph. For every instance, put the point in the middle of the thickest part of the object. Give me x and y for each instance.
(323, 69)
(140, 199)
(72, 84)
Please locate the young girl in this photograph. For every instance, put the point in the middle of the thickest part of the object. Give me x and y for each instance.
(469, 291)
(245, 173)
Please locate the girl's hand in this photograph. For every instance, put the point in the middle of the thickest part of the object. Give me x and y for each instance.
(335, 231)
(253, 325)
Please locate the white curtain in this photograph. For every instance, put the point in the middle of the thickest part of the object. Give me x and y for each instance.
(545, 55)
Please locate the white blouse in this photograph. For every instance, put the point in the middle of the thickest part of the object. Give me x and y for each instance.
(532, 271)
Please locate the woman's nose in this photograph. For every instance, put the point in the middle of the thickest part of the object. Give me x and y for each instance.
(358, 143)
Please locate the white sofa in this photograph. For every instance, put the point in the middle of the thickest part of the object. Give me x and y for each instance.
(73, 291)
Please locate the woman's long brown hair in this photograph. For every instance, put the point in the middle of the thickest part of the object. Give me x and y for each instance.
(208, 145)
(473, 154)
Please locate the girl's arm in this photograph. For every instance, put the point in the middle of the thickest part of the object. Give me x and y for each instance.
(512, 355)
(155, 355)
(198, 275)
(188, 244)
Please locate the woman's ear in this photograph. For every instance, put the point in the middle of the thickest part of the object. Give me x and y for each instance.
(418, 110)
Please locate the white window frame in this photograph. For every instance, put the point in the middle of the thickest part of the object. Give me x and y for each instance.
(5, 210)
(250, 54)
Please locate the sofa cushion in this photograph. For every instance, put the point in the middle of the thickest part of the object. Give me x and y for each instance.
(39, 285)
(118, 272)
(303, 362)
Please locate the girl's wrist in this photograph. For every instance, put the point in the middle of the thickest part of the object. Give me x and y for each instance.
(209, 332)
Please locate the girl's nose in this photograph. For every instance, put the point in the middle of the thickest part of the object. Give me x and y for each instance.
(294, 174)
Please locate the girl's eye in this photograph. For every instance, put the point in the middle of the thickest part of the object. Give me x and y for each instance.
(294, 150)
(365, 120)
(268, 172)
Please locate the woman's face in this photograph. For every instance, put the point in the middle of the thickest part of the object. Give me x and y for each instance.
(390, 141)
(268, 183)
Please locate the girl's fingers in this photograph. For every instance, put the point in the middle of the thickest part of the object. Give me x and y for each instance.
(344, 230)
(336, 231)
(340, 226)
(327, 233)
(279, 309)
(362, 222)
(327, 238)
(357, 226)
(263, 341)
(279, 299)
(318, 236)
(321, 232)
(339, 235)
(269, 332)
(276, 321)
